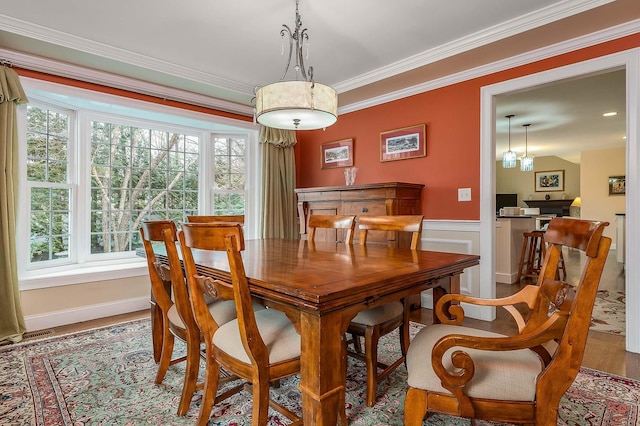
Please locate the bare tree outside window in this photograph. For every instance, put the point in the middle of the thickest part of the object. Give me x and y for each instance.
(229, 175)
(92, 177)
(48, 170)
(138, 174)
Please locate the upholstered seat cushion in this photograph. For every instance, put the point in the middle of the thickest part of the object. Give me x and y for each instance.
(277, 332)
(222, 311)
(506, 375)
(379, 314)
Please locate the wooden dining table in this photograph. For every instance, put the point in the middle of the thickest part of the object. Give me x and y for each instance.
(321, 286)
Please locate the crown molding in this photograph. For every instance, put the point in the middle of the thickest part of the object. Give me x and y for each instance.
(500, 31)
(592, 39)
(486, 36)
(48, 35)
(523, 23)
(63, 69)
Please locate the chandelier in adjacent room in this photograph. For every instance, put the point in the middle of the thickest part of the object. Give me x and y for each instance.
(300, 104)
(509, 157)
(526, 162)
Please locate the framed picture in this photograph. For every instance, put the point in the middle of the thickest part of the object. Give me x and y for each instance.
(336, 154)
(399, 144)
(617, 185)
(552, 180)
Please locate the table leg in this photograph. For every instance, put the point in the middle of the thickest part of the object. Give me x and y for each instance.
(321, 370)
(452, 285)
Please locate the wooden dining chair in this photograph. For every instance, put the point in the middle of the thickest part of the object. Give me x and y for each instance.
(345, 222)
(172, 310)
(259, 346)
(204, 218)
(371, 324)
(478, 374)
(160, 289)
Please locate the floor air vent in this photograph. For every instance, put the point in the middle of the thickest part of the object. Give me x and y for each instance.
(39, 333)
(31, 335)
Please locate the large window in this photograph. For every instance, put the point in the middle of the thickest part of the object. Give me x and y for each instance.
(136, 174)
(92, 176)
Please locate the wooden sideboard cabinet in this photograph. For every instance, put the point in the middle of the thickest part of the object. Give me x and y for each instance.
(391, 198)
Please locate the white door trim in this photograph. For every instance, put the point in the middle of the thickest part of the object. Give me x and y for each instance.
(630, 60)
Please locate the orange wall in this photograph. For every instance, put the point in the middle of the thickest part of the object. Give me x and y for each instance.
(452, 116)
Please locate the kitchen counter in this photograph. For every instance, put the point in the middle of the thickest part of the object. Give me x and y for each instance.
(509, 239)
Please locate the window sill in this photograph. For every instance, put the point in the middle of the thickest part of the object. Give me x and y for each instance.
(33, 280)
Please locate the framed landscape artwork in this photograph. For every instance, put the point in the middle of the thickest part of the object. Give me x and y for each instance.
(552, 180)
(400, 144)
(336, 154)
(617, 185)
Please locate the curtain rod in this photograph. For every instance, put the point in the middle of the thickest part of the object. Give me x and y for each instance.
(5, 62)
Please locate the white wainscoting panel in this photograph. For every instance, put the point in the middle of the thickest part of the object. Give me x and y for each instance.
(455, 237)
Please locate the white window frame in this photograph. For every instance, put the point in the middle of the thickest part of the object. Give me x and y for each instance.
(209, 208)
(72, 169)
(84, 202)
(98, 267)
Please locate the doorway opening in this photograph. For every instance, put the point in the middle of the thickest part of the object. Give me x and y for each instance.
(627, 61)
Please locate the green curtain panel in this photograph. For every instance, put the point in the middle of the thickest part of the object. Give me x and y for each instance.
(11, 95)
(278, 183)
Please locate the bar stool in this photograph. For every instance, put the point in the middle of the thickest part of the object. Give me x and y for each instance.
(534, 249)
(532, 255)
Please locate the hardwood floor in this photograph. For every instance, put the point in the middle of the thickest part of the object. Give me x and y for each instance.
(604, 351)
(86, 325)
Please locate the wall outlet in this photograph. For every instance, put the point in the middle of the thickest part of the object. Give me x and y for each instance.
(464, 194)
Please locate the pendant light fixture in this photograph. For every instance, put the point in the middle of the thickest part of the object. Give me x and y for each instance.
(526, 162)
(509, 157)
(296, 104)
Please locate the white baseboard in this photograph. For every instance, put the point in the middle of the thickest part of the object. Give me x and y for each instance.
(85, 313)
(506, 278)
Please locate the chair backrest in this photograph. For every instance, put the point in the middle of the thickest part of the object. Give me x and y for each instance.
(332, 222)
(562, 310)
(396, 223)
(206, 219)
(221, 237)
(151, 232)
(171, 275)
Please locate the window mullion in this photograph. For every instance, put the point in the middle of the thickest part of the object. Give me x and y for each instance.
(82, 201)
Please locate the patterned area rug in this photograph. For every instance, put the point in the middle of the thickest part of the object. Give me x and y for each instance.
(105, 377)
(609, 312)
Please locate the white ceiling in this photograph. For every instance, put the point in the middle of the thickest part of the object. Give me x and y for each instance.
(566, 117)
(364, 49)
